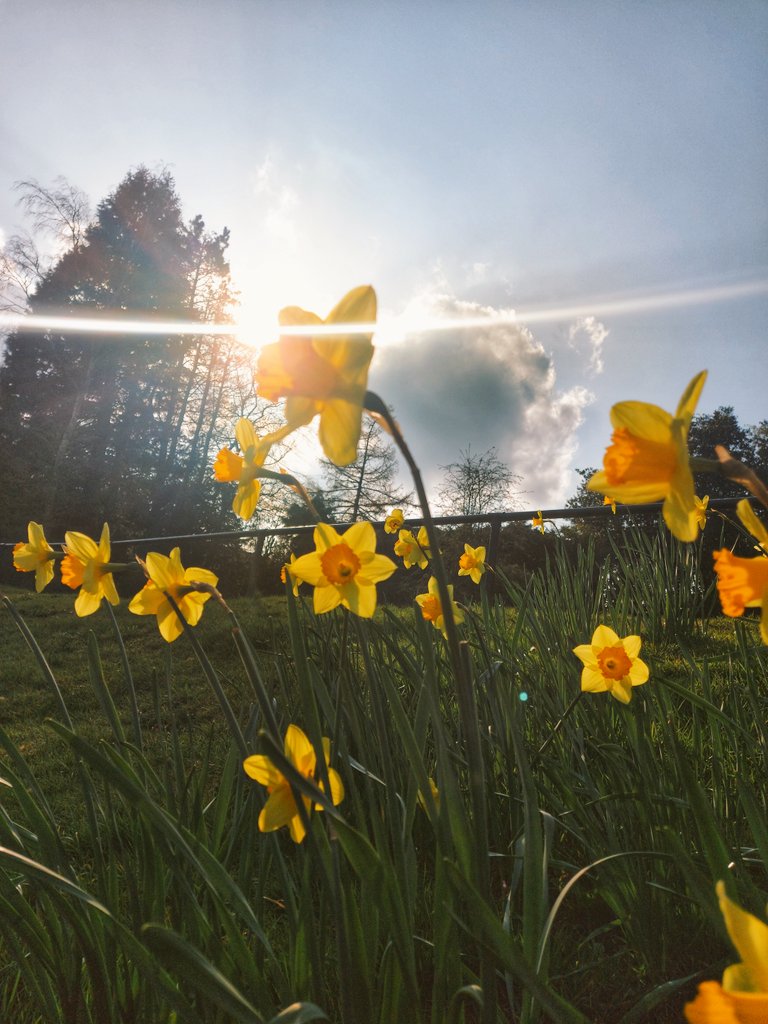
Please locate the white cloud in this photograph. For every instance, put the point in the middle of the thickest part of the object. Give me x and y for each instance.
(482, 387)
(595, 332)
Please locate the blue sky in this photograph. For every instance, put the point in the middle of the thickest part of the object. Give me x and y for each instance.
(458, 156)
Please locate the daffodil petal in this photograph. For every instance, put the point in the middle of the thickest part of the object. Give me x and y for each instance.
(339, 431)
(108, 588)
(639, 673)
(43, 575)
(359, 599)
(643, 420)
(147, 601)
(632, 645)
(168, 623)
(81, 546)
(245, 434)
(260, 768)
(325, 599)
(604, 636)
(160, 570)
(750, 937)
(279, 809)
(622, 690)
(690, 398)
(360, 537)
(377, 567)
(246, 499)
(297, 747)
(87, 603)
(592, 680)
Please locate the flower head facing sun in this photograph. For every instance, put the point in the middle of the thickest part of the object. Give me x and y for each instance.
(325, 374)
(344, 569)
(281, 807)
(36, 556)
(611, 664)
(394, 521)
(647, 459)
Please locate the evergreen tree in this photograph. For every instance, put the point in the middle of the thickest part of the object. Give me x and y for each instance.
(122, 427)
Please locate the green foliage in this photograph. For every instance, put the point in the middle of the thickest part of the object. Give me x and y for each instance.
(135, 884)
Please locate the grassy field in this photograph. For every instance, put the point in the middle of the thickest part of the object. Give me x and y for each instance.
(566, 871)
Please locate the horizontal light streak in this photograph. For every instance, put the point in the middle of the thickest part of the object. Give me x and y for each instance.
(396, 326)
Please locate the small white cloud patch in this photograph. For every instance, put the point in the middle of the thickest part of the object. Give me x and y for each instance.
(595, 332)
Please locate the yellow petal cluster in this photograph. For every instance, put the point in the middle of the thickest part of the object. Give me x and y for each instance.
(537, 523)
(167, 576)
(394, 521)
(286, 573)
(413, 550)
(472, 563)
(86, 565)
(344, 569)
(648, 459)
(743, 582)
(36, 556)
(242, 469)
(281, 808)
(325, 374)
(432, 608)
(611, 664)
(743, 996)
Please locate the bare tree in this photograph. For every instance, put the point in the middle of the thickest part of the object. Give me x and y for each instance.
(478, 483)
(61, 211)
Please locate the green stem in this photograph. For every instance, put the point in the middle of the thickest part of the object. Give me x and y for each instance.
(465, 693)
(536, 757)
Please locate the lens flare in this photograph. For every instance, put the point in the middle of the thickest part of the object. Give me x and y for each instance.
(400, 326)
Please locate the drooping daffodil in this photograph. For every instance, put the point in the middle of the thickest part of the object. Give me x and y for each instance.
(167, 576)
(281, 807)
(414, 550)
(86, 565)
(325, 374)
(647, 459)
(36, 556)
(230, 467)
(394, 521)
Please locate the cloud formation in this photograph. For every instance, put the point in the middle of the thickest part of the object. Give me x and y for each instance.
(481, 387)
(595, 333)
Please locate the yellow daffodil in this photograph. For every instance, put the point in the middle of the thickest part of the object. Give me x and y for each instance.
(326, 374)
(414, 550)
(86, 565)
(344, 569)
(537, 523)
(394, 521)
(701, 510)
(743, 582)
(743, 996)
(287, 571)
(167, 576)
(611, 664)
(432, 609)
(230, 467)
(607, 500)
(435, 795)
(648, 459)
(37, 556)
(472, 563)
(281, 808)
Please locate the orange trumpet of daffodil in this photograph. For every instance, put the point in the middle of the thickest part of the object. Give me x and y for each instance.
(743, 582)
(281, 808)
(344, 569)
(325, 375)
(86, 565)
(230, 467)
(432, 608)
(742, 998)
(611, 664)
(167, 576)
(647, 459)
(37, 556)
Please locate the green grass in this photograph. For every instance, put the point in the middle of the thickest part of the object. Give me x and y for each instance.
(607, 825)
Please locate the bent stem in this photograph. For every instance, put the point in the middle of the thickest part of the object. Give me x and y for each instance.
(464, 691)
(537, 756)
